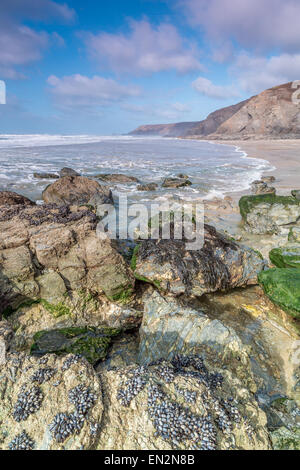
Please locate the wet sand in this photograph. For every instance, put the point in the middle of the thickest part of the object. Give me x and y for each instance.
(282, 154)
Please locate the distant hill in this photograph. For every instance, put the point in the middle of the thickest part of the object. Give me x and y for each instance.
(165, 130)
(272, 114)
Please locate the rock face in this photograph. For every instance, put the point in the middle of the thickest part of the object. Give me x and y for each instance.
(185, 404)
(269, 213)
(50, 403)
(48, 252)
(286, 257)
(8, 198)
(174, 183)
(220, 265)
(80, 311)
(282, 286)
(187, 129)
(115, 178)
(169, 328)
(214, 120)
(77, 190)
(272, 114)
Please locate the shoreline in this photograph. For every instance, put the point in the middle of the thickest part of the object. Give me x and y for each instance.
(283, 155)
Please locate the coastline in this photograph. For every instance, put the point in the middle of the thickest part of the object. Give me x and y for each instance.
(283, 155)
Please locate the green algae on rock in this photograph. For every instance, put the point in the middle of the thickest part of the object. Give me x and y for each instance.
(268, 213)
(286, 257)
(282, 286)
(92, 343)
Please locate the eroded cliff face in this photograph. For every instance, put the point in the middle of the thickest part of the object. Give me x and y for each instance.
(214, 120)
(273, 114)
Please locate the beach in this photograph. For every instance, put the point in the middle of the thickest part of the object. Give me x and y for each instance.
(284, 155)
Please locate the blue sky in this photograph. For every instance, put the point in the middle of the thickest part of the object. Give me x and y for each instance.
(89, 67)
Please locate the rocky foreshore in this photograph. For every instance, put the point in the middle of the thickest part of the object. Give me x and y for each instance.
(198, 349)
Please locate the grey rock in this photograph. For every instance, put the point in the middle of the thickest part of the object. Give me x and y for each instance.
(176, 183)
(46, 176)
(221, 264)
(147, 187)
(68, 172)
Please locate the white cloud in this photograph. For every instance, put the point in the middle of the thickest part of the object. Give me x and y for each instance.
(167, 111)
(36, 10)
(21, 45)
(256, 24)
(80, 91)
(255, 74)
(207, 88)
(146, 49)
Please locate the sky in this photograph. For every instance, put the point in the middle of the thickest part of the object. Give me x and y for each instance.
(99, 67)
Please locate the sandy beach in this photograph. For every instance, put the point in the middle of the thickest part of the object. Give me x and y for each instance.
(283, 154)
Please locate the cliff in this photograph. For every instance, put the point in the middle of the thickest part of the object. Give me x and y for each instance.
(273, 114)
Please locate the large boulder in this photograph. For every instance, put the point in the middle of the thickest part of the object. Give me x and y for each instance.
(220, 265)
(286, 257)
(48, 253)
(8, 198)
(51, 403)
(269, 213)
(185, 404)
(282, 286)
(77, 190)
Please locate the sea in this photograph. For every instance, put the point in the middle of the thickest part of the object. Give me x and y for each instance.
(214, 169)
